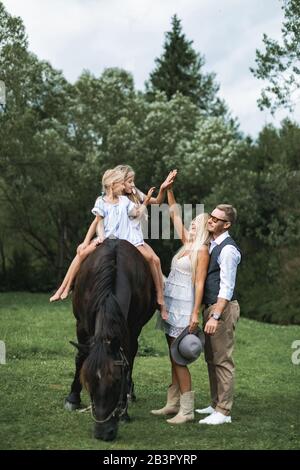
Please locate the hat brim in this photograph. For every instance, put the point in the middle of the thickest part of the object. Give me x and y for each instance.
(176, 356)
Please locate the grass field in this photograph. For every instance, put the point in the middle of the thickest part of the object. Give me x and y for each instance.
(39, 370)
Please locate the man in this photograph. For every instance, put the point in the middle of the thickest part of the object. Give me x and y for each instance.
(221, 314)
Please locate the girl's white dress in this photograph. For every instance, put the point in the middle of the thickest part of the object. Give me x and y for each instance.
(136, 223)
(116, 219)
(179, 294)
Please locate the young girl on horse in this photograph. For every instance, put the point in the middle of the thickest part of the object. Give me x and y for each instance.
(112, 213)
(136, 196)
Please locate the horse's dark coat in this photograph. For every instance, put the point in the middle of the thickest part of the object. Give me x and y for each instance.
(113, 299)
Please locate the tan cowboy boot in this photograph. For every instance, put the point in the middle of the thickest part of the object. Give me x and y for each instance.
(172, 405)
(186, 411)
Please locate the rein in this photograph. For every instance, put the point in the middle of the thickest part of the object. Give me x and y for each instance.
(119, 410)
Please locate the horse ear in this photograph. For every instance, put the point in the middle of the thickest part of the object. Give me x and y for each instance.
(83, 348)
(115, 344)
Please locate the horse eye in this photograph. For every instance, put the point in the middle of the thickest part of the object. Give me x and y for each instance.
(117, 375)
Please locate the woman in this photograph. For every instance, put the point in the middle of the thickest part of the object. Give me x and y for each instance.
(183, 297)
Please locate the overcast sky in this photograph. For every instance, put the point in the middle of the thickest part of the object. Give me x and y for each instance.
(94, 34)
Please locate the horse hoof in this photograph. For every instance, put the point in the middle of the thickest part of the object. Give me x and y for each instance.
(125, 418)
(131, 397)
(69, 406)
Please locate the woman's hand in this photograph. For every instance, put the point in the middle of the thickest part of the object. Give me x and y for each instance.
(164, 315)
(194, 323)
(167, 184)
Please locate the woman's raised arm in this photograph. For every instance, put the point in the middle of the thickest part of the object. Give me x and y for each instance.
(163, 187)
(176, 217)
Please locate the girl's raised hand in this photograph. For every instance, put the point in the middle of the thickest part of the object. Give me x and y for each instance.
(149, 195)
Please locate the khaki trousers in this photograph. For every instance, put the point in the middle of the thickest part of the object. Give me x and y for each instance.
(218, 355)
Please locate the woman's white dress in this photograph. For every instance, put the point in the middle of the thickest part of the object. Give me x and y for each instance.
(179, 296)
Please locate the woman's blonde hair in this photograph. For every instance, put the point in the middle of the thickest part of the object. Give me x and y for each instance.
(202, 237)
(110, 177)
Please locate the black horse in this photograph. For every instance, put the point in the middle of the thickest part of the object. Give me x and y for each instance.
(113, 298)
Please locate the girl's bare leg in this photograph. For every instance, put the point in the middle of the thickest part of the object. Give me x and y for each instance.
(75, 268)
(63, 285)
(157, 275)
(71, 277)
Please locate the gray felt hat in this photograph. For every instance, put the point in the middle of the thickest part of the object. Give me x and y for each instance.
(187, 347)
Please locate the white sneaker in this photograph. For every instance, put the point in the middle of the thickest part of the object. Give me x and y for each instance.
(216, 418)
(205, 411)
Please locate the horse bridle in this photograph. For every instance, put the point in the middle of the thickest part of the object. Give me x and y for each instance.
(119, 410)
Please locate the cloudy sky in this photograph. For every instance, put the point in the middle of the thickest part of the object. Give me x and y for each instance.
(94, 34)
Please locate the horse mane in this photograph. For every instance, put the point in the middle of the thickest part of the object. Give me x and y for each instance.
(105, 319)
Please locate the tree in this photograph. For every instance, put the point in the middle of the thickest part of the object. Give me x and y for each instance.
(180, 70)
(38, 171)
(38, 174)
(12, 31)
(263, 183)
(280, 63)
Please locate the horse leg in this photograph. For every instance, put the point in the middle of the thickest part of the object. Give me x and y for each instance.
(131, 393)
(130, 385)
(73, 400)
(133, 351)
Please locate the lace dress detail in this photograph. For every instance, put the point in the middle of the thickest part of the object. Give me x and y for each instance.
(179, 296)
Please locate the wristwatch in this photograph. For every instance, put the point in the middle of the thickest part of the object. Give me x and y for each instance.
(216, 316)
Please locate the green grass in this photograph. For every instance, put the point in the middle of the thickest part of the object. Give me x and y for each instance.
(39, 371)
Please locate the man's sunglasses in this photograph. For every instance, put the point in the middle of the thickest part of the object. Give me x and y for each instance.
(215, 219)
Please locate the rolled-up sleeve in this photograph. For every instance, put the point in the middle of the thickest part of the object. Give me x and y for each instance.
(98, 208)
(228, 260)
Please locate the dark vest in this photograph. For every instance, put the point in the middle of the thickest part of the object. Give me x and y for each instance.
(212, 283)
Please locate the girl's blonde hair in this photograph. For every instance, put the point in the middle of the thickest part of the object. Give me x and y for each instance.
(127, 170)
(110, 177)
(202, 237)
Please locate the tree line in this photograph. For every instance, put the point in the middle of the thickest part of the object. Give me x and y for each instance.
(57, 139)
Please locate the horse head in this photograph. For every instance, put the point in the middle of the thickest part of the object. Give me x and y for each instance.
(105, 376)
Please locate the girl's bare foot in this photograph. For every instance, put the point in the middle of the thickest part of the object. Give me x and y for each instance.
(65, 294)
(55, 297)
